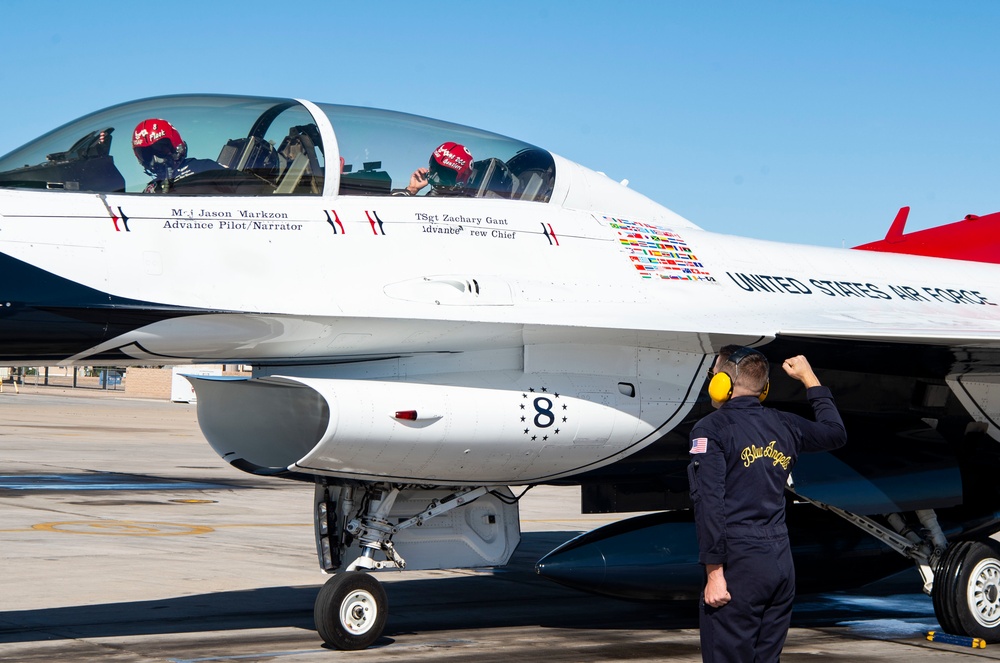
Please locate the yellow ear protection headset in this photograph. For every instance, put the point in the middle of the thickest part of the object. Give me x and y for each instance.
(721, 386)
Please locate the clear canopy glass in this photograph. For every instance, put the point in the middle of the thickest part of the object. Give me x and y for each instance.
(252, 146)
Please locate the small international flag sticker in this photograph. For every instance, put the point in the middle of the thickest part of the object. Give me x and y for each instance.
(699, 445)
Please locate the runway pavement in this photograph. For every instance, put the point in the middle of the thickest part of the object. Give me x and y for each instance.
(123, 537)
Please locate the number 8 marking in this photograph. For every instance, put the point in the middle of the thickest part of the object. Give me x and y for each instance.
(544, 418)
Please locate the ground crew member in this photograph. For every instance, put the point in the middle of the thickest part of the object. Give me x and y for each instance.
(741, 456)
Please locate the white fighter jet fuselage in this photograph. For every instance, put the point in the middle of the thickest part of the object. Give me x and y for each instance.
(541, 324)
(455, 308)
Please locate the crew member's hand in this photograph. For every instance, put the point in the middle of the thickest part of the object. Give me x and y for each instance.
(418, 180)
(716, 590)
(799, 368)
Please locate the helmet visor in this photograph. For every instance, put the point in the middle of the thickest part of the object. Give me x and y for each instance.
(441, 177)
(159, 152)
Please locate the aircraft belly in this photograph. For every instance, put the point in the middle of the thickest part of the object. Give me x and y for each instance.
(250, 338)
(979, 393)
(868, 489)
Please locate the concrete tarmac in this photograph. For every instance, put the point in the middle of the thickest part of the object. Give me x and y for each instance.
(125, 538)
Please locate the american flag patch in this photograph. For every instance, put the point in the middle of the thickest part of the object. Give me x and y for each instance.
(699, 445)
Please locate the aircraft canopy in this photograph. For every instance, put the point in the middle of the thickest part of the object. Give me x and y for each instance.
(252, 146)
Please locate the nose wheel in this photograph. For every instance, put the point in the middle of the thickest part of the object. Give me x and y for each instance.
(967, 590)
(351, 610)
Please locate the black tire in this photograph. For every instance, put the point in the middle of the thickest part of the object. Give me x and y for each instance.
(967, 590)
(946, 578)
(351, 611)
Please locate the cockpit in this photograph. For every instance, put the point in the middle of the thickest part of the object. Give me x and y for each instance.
(252, 146)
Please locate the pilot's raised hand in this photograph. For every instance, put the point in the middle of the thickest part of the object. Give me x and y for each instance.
(418, 180)
(798, 368)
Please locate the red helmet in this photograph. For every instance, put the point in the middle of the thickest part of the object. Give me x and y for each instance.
(157, 144)
(450, 165)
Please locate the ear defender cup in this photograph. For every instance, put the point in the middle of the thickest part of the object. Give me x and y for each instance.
(763, 394)
(721, 387)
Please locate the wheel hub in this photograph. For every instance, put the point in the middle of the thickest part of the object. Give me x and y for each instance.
(357, 612)
(984, 592)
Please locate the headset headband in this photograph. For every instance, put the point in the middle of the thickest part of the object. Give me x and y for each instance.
(742, 353)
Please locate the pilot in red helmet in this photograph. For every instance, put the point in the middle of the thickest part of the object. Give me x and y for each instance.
(163, 154)
(448, 172)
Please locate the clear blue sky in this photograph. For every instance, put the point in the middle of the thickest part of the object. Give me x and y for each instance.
(805, 121)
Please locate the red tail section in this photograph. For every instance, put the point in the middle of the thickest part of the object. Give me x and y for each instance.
(975, 238)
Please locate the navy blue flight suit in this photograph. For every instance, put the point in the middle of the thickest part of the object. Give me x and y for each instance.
(741, 456)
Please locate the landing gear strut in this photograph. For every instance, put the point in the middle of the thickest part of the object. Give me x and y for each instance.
(351, 609)
(963, 578)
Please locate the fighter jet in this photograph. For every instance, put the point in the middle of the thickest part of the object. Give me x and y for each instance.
(439, 317)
